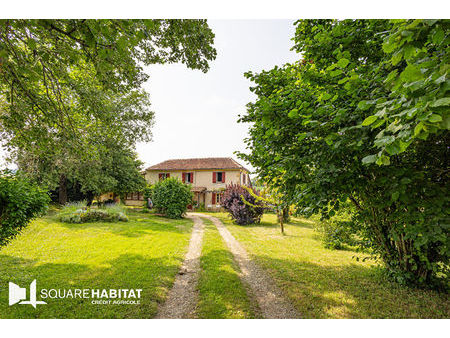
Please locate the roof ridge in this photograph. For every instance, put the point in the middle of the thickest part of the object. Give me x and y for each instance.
(197, 158)
(222, 162)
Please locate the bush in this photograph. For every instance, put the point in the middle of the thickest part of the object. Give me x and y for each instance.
(171, 197)
(336, 234)
(78, 212)
(20, 202)
(242, 213)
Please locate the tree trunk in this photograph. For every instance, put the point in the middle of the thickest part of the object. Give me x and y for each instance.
(286, 216)
(280, 219)
(62, 193)
(90, 198)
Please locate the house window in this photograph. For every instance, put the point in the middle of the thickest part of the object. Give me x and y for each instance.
(188, 177)
(218, 177)
(216, 198)
(163, 176)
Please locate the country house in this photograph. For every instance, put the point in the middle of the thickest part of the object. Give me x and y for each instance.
(207, 177)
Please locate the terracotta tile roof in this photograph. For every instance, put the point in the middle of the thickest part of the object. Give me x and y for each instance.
(198, 163)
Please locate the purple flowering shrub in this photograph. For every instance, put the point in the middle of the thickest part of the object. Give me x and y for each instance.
(241, 212)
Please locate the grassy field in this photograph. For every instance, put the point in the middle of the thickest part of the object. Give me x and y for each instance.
(144, 253)
(323, 283)
(221, 293)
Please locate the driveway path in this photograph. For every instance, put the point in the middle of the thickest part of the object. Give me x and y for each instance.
(271, 300)
(182, 298)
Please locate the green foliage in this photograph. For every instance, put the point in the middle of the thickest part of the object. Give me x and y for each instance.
(335, 235)
(78, 212)
(148, 193)
(113, 168)
(324, 154)
(416, 103)
(339, 232)
(271, 199)
(171, 197)
(72, 105)
(20, 202)
(68, 76)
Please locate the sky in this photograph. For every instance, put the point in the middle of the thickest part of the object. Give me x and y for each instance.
(196, 113)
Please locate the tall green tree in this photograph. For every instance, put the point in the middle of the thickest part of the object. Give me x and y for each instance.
(363, 117)
(69, 86)
(57, 74)
(112, 167)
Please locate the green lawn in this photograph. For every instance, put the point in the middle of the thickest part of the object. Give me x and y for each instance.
(221, 293)
(323, 283)
(144, 253)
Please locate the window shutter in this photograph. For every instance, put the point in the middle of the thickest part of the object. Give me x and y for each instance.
(167, 175)
(223, 177)
(192, 177)
(160, 176)
(183, 177)
(214, 177)
(213, 197)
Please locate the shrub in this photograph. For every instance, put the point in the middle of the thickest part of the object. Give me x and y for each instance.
(242, 213)
(338, 231)
(78, 212)
(335, 234)
(20, 202)
(171, 197)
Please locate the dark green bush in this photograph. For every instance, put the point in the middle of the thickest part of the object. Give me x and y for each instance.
(20, 202)
(171, 197)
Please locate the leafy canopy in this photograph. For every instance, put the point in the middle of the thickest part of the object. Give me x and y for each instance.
(362, 117)
(59, 78)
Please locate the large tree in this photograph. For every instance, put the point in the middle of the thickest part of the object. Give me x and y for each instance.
(363, 117)
(55, 72)
(112, 167)
(64, 81)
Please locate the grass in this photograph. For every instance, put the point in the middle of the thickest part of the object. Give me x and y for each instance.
(323, 283)
(221, 293)
(144, 253)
